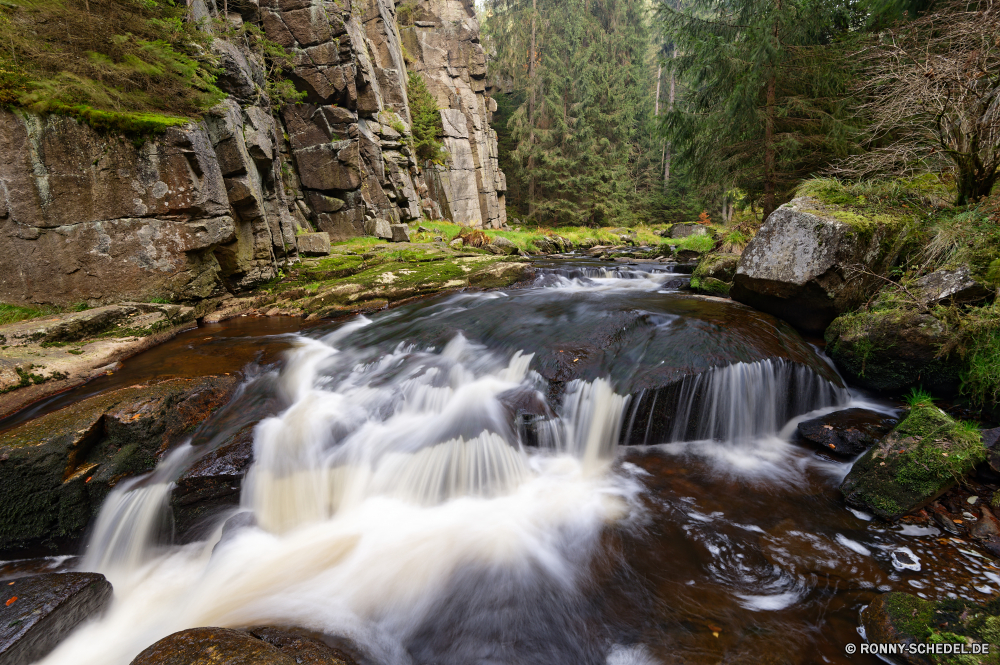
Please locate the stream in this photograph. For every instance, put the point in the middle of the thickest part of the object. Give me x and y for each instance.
(596, 468)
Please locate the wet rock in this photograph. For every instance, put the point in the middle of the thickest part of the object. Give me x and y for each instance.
(892, 349)
(41, 610)
(847, 433)
(946, 523)
(255, 646)
(950, 286)
(400, 232)
(56, 470)
(211, 485)
(917, 462)
(986, 527)
(308, 648)
(898, 618)
(902, 618)
(799, 265)
(313, 244)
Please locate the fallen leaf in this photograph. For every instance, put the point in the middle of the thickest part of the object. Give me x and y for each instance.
(827, 426)
(11, 601)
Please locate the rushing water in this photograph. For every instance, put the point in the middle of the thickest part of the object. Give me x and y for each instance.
(444, 483)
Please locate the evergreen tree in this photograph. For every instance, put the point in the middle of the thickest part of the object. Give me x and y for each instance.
(583, 137)
(427, 125)
(764, 90)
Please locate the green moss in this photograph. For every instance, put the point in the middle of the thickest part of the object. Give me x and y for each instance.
(909, 614)
(710, 286)
(135, 67)
(924, 455)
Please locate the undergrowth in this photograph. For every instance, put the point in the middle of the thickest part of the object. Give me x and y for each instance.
(135, 66)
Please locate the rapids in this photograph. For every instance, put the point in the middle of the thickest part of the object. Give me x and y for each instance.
(449, 482)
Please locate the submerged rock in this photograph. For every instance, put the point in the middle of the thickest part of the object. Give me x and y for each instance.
(800, 265)
(255, 646)
(41, 610)
(889, 350)
(847, 433)
(56, 470)
(902, 618)
(917, 462)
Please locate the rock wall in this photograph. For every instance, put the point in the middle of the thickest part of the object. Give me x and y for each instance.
(441, 37)
(214, 206)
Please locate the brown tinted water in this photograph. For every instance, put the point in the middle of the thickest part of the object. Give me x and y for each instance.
(733, 549)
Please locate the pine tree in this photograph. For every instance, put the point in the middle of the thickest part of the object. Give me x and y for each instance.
(765, 91)
(427, 125)
(583, 137)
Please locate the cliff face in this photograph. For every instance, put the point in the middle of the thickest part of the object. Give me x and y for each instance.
(216, 205)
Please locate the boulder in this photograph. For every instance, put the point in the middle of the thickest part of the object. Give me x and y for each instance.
(801, 264)
(950, 286)
(505, 245)
(211, 485)
(56, 470)
(714, 274)
(254, 646)
(380, 228)
(41, 610)
(902, 618)
(686, 230)
(847, 433)
(890, 350)
(917, 462)
(313, 244)
(400, 233)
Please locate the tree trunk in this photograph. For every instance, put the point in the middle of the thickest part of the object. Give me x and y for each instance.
(974, 185)
(670, 107)
(770, 178)
(531, 114)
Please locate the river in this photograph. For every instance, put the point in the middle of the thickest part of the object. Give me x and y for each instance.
(597, 468)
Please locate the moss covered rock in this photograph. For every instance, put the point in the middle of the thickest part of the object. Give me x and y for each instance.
(919, 460)
(892, 349)
(56, 469)
(801, 264)
(902, 618)
(714, 274)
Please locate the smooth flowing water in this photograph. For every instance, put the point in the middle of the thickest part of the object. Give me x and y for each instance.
(446, 483)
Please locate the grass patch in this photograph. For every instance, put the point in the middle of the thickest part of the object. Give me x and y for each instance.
(14, 313)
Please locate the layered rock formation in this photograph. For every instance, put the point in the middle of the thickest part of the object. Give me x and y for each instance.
(441, 37)
(215, 205)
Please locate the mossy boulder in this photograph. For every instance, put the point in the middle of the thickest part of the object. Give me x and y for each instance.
(892, 349)
(902, 618)
(714, 274)
(801, 265)
(917, 462)
(56, 470)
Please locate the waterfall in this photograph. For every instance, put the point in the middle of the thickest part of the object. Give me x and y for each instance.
(735, 403)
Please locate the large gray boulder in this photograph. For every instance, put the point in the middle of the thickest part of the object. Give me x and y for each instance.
(313, 244)
(400, 233)
(38, 612)
(380, 228)
(802, 266)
